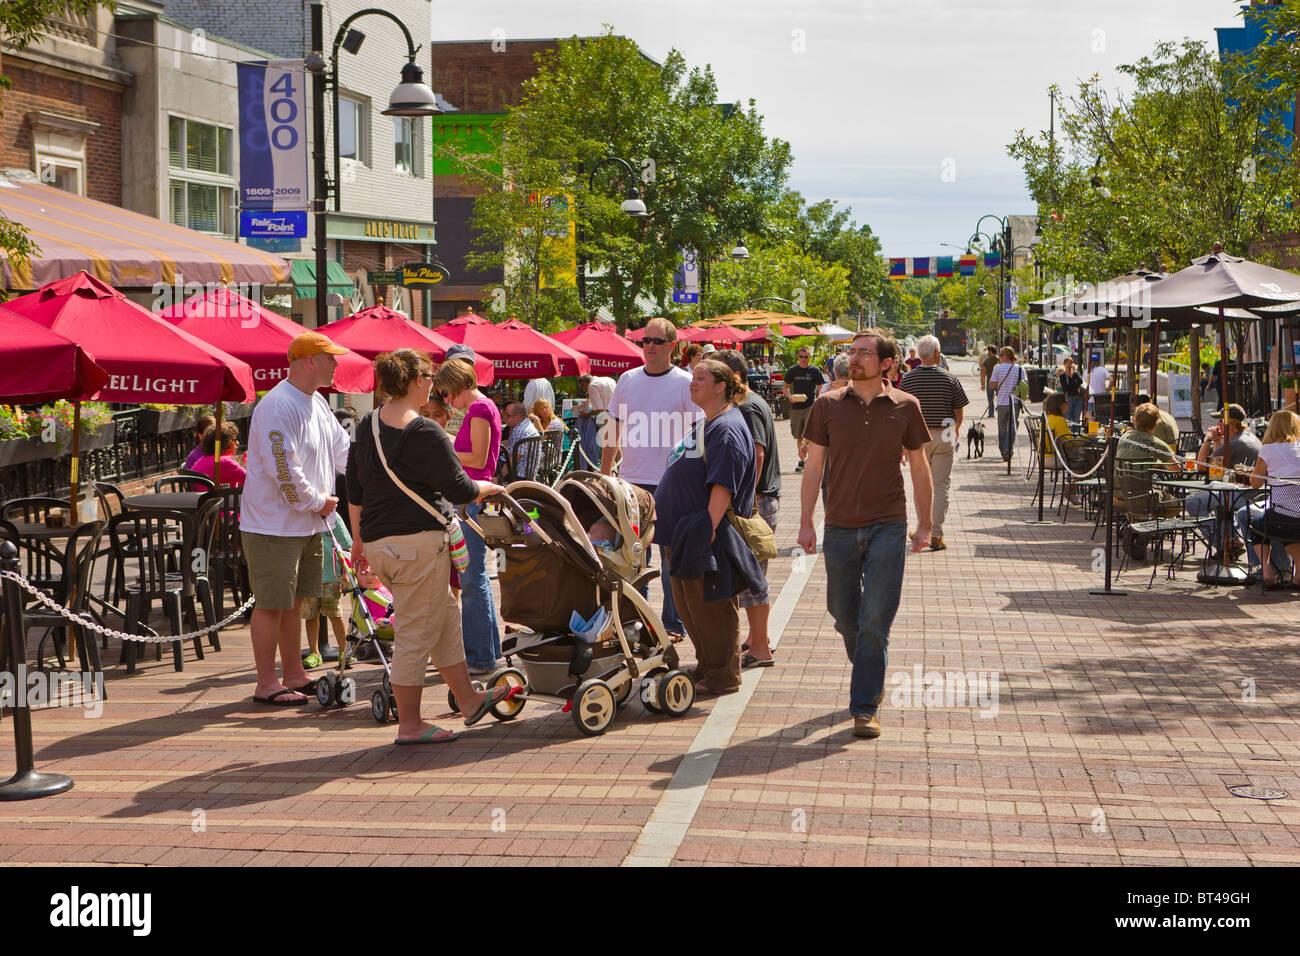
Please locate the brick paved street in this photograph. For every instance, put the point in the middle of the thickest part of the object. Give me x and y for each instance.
(1119, 724)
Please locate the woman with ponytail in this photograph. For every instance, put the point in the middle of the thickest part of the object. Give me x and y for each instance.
(709, 471)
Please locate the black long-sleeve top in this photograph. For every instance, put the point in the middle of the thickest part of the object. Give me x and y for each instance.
(422, 456)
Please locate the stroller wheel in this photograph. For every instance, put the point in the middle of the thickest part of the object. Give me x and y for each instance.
(650, 690)
(676, 693)
(508, 677)
(623, 694)
(593, 707)
(379, 706)
(325, 689)
(451, 698)
(347, 691)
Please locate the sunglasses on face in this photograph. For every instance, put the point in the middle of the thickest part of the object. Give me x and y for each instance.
(651, 340)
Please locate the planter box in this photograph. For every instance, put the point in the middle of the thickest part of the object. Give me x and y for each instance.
(100, 439)
(241, 411)
(156, 422)
(19, 451)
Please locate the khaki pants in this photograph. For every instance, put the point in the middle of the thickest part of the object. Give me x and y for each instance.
(939, 452)
(714, 630)
(426, 618)
(798, 418)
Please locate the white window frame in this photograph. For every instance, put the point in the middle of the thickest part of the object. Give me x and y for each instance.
(362, 104)
(216, 175)
(228, 213)
(417, 146)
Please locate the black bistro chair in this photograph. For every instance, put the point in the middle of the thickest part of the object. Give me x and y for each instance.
(41, 559)
(225, 566)
(73, 592)
(185, 481)
(156, 553)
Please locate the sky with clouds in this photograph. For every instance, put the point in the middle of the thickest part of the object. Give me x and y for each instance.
(879, 98)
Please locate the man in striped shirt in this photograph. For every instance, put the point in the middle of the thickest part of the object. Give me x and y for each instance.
(942, 399)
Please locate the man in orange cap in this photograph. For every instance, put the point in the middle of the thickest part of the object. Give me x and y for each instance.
(295, 448)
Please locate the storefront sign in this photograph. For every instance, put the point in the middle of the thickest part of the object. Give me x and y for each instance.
(423, 273)
(273, 225)
(387, 229)
(384, 277)
(343, 226)
(272, 135)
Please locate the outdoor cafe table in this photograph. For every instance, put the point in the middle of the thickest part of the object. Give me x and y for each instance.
(1222, 490)
(165, 501)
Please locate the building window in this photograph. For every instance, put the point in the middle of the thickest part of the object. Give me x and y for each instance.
(407, 146)
(61, 174)
(354, 143)
(203, 207)
(198, 146)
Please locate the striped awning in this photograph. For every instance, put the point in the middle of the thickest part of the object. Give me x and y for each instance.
(122, 248)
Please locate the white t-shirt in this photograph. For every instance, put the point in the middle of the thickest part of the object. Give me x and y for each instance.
(1097, 379)
(656, 412)
(1283, 460)
(538, 388)
(295, 448)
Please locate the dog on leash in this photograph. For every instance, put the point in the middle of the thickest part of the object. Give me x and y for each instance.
(975, 440)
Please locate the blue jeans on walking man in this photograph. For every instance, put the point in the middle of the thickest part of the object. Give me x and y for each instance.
(864, 582)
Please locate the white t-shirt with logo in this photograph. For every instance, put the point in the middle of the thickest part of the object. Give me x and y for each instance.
(295, 448)
(656, 412)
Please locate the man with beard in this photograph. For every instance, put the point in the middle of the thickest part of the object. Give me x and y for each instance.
(861, 432)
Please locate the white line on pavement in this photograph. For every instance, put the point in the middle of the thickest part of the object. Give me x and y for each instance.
(667, 826)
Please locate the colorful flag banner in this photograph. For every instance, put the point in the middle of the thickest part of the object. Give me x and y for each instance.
(921, 267)
(943, 267)
(686, 280)
(992, 260)
(898, 268)
(966, 265)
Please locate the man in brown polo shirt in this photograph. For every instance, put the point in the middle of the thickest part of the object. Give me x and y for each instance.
(861, 431)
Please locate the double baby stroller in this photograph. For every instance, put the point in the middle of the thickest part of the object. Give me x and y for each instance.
(589, 634)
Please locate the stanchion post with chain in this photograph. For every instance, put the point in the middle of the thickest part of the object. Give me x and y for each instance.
(1112, 445)
(26, 783)
(1042, 463)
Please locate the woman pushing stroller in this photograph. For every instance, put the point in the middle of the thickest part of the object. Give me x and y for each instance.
(401, 494)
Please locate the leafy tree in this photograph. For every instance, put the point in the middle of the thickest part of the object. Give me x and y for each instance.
(1198, 154)
(22, 23)
(782, 271)
(706, 172)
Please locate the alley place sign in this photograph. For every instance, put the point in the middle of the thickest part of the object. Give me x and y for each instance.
(411, 274)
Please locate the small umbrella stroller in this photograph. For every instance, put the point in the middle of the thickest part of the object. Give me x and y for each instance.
(590, 634)
(370, 629)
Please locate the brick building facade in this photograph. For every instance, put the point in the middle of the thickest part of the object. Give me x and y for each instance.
(62, 117)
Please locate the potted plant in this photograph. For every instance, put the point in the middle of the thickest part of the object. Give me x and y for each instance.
(1289, 398)
(46, 432)
(161, 419)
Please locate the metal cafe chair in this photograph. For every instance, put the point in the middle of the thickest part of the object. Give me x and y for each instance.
(219, 537)
(73, 592)
(185, 481)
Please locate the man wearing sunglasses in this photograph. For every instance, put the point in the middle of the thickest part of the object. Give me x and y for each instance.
(802, 383)
(651, 411)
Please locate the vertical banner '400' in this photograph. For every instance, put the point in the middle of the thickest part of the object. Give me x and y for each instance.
(272, 135)
(686, 280)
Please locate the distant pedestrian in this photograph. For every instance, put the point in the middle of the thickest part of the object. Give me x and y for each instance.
(942, 399)
(987, 364)
(1070, 382)
(802, 382)
(862, 431)
(1006, 378)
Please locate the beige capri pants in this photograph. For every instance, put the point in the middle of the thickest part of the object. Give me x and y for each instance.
(426, 618)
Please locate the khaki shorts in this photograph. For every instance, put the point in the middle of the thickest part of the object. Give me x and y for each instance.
(426, 618)
(281, 570)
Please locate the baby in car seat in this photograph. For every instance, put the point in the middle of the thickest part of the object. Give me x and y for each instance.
(602, 534)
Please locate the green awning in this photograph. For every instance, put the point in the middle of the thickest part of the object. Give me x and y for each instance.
(304, 278)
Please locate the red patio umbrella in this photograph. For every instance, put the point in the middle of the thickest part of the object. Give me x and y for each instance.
(609, 352)
(259, 337)
(147, 358)
(784, 330)
(715, 334)
(37, 365)
(513, 354)
(379, 329)
(570, 360)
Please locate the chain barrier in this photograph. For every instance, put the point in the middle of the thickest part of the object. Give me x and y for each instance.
(89, 623)
(1064, 465)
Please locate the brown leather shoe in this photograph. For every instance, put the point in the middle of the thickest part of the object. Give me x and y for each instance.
(938, 544)
(868, 727)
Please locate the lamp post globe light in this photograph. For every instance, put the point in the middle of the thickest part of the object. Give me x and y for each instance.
(633, 206)
(412, 97)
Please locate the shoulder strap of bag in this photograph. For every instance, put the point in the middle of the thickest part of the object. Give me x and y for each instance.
(383, 460)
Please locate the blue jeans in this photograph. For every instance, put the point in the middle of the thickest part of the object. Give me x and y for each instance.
(988, 391)
(1203, 503)
(1074, 408)
(1277, 557)
(1008, 421)
(864, 581)
(478, 609)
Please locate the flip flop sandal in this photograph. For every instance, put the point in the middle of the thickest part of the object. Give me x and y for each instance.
(427, 738)
(275, 699)
(749, 660)
(308, 688)
(492, 700)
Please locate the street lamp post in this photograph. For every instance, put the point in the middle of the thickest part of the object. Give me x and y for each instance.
(412, 97)
(632, 205)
